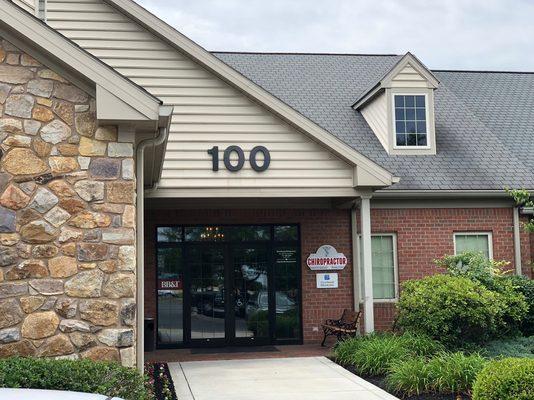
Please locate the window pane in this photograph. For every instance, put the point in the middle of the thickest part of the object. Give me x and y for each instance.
(247, 233)
(421, 127)
(286, 283)
(285, 233)
(170, 295)
(410, 117)
(420, 114)
(383, 267)
(204, 233)
(169, 235)
(421, 140)
(420, 101)
(479, 243)
(412, 140)
(399, 101)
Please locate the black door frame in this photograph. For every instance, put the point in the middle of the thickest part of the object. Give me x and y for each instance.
(230, 339)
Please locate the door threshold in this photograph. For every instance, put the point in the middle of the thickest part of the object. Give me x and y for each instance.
(234, 349)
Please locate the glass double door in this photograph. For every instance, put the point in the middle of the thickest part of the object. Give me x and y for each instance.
(228, 294)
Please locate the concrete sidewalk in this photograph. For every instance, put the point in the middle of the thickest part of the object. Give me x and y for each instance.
(302, 378)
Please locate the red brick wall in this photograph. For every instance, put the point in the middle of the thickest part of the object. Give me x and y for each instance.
(317, 227)
(422, 236)
(426, 234)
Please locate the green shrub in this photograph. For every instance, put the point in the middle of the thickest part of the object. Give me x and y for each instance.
(522, 347)
(525, 286)
(105, 378)
(372, 355)
(451, 309)
(474, 266)
(507, 379)
(444, 373)
(493, 276)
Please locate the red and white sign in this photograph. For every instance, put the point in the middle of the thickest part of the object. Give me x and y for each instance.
(326, 258)
(169, 284)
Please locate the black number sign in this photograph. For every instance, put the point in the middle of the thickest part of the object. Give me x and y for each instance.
(214, 153)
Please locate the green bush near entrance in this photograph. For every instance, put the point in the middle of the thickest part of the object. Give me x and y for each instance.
(110, 379)
(506, 379)
(444, 373)
(455, 309)
(374, 354)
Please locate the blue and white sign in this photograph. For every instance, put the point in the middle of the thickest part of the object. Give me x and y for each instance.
(327, 281)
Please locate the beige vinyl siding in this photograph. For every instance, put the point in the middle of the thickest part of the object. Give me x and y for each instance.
(207, 111)
(375, 113)
(408, 77)
(28, 5)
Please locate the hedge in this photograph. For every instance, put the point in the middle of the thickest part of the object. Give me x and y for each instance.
(104, 378)
(506, 379)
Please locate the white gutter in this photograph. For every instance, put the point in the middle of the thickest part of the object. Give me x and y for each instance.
(398, 194)
(140, 240)
(517, 242)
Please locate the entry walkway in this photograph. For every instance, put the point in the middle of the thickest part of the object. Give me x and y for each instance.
(299, 378)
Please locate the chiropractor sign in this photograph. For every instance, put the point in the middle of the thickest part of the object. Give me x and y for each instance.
(326, 258)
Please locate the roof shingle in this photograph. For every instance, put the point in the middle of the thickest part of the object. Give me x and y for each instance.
(484, 120)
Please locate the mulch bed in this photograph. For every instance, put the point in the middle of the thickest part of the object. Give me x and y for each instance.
(159, 384)
(380, 382)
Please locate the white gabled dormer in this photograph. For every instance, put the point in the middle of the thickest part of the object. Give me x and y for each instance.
(400, 108)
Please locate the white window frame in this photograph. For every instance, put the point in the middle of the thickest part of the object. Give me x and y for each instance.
(395, 268)
(488, 234)
(394, 121)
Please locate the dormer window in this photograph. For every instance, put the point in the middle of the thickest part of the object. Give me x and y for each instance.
(399, 109)
(411, 128)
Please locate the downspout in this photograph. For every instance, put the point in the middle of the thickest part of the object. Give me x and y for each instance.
(140, 240)
(355, 259)
(517, 242)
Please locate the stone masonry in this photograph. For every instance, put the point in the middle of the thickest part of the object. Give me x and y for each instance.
(67, 221)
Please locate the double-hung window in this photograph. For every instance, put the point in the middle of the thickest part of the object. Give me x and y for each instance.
(411, 127)
(473, 241)
(384, 264)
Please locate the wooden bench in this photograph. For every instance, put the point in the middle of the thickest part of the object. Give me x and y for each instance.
(346, 326)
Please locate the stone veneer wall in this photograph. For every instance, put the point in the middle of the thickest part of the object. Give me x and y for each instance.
(67, 221)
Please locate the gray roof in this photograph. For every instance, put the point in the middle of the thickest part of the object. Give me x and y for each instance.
(484, 120)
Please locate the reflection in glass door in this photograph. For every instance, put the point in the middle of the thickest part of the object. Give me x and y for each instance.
(228, 284)
(207, 291)
(250, 296)
(170, 296)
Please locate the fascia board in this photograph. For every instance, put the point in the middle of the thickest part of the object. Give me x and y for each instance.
(52, 43)
(230, 75)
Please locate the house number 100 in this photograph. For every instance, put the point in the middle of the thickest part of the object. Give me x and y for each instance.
(238, 164)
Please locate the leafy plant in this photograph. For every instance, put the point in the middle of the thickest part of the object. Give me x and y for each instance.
(105, 378)
(443, 373)
(523, 198)
(525, 286)
(374, 354)
(474, 266)
(506, 379)
(492, 275)
(522, 347)
(451, 309)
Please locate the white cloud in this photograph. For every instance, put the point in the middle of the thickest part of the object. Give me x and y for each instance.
(466, 34)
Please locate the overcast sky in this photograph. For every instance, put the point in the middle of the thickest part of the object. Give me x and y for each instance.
(444, 34)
